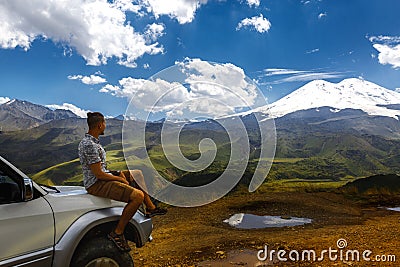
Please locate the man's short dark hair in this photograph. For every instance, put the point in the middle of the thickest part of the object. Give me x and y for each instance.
(94, 118)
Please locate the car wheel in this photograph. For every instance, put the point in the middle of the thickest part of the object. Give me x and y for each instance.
(100, 252)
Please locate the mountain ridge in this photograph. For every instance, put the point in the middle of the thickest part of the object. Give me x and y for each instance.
(21, 114)
(335, 142)
(353, 93)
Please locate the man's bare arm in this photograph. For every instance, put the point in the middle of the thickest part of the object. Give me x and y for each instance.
(98, 172)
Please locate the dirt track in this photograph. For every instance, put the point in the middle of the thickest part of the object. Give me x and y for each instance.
(197, 236)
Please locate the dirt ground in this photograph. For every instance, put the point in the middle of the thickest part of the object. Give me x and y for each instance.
(199, 237)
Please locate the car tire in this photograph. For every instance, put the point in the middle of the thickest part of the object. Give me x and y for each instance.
(102, 252)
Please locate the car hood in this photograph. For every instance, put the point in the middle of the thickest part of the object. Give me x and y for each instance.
(70, 190)
(72, 202)
(76, 198)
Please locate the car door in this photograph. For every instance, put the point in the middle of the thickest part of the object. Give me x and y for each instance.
(26, 227)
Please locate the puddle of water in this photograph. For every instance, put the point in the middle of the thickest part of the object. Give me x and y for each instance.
(244, 257)
(394, 209)
(250, 221)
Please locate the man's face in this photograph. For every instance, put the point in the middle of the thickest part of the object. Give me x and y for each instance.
(102, 127)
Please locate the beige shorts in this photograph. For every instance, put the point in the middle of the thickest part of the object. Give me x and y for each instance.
(112, 189)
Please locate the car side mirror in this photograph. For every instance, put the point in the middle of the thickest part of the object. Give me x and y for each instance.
(27, 192)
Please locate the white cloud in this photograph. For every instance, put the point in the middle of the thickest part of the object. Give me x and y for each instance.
(99, 73)
(311, 76)
(181, 10)
(143, 93)
(92, 79)
(322, 15)
(66, 106)
(385, 39)
(127, 87)
(205, 80)
(388, 48)
(214, 90)
(110, 89)
(146, 66)
(259, 23)
(154, 31)
(255, 3)
(312, 51)
(388, 54)
(96, 29)
(277, 71)
(127, 5)
(397, 90)
(306, 2)
(290, 75)
(4, 100)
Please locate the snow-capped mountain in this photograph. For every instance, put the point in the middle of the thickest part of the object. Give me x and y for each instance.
(123, 117)
(348, 94)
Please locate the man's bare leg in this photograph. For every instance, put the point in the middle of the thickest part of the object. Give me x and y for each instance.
(137, 175)
(136, 199)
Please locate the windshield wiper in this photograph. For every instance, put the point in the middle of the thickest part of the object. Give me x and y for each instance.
(50, 187)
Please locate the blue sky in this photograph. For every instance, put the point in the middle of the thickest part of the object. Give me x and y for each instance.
(77, 53)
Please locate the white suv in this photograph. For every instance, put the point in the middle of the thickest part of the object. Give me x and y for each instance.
(60, 226)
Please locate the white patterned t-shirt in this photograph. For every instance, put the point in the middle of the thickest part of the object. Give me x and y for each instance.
(91, 151)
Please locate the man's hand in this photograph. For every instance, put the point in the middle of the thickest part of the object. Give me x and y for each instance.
(122, 180)
(125, 181)
(98, 172)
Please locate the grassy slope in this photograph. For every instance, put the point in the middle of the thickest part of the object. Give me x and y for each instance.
(306, 157)
(339, 159)
(70, 173)
(50, 144)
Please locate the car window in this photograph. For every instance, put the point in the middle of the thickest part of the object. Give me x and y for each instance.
(10, 192)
